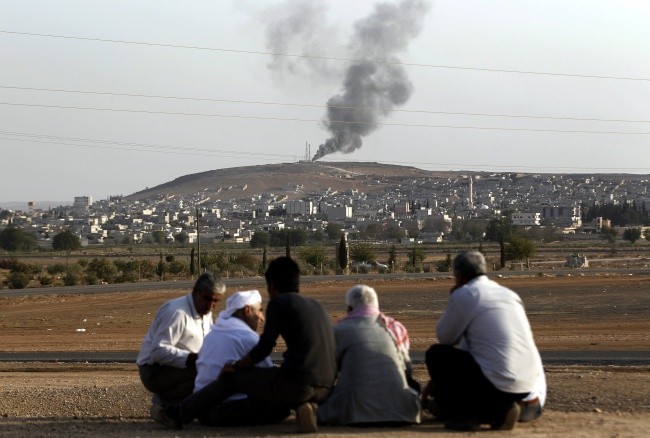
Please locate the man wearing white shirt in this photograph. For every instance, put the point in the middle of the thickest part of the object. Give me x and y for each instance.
(232, 336)
(486, 360)
(167, 359)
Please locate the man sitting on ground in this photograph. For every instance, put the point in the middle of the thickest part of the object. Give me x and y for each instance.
(231, 337)
(308, 369)
(487, 359)
(167, 359)
(372, 388)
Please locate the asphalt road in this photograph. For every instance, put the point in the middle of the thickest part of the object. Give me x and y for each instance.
(549, 357)
(259, 281)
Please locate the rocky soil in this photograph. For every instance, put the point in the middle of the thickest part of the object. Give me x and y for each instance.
(567, 313)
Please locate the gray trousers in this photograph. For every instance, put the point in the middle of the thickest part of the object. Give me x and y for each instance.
(261, 383)
(171, 384)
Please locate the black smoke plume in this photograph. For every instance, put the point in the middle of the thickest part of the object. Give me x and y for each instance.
(371, 90)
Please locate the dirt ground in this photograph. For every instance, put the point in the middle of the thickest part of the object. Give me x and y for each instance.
(590, 312)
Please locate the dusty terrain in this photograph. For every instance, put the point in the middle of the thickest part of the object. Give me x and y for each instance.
(566, 313)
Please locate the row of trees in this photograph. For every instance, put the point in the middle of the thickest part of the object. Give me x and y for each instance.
(621, 215)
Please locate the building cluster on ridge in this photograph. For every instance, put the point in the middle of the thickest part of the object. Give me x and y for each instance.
(431, 205)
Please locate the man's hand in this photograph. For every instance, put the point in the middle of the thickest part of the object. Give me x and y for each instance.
(228, 368)
(426, 394)
(191, 360)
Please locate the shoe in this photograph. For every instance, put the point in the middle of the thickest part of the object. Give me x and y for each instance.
(157, 400)
(306, 416)
(160, 416)
(510, 417)
(464, 425)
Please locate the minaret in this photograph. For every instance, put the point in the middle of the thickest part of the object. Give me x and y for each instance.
(471, 192)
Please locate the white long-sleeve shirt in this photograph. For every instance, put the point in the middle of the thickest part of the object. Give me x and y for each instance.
(229, 340)
(489, 321)
(176, 331)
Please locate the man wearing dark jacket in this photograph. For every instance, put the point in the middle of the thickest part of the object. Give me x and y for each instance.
(308, 369)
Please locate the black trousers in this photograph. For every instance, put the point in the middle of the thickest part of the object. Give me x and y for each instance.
(170, 383)
(460, 388)
(262, 383)
(250, 411)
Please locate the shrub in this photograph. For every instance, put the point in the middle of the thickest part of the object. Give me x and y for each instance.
(176, 267)
(56, 268)
(45, 280)
(71, 278)
(18, 280)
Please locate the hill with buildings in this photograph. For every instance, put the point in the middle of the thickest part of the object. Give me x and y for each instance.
(298, 179)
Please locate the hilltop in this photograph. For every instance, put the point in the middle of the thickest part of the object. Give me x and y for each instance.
(308, 176)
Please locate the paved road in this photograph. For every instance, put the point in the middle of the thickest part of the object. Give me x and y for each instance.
(259, 281)
(550, 357)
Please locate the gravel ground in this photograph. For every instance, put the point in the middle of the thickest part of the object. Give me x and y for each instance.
(57, 400)
(606, 313)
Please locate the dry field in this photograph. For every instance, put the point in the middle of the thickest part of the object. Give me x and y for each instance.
(605, 312)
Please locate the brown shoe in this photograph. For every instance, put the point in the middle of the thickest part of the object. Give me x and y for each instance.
(510, 417)
(306, 416)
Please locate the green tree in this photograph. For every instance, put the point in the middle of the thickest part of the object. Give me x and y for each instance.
(632, 234)
(392, 256)
(103, 269)
(14, 239)
(66, 241)
(333, 231)
(314, 255)
(500, 230)
(520, 248)
(159, 237)
(344, 253)
(417, 256)
(192, 263)
(363, 252)
(260, 239)
(181, 238)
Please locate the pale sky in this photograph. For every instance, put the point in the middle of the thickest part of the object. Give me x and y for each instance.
(547, 65)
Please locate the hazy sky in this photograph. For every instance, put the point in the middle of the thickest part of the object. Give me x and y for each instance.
(546, 65)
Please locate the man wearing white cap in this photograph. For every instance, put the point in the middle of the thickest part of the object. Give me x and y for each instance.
(231, 337)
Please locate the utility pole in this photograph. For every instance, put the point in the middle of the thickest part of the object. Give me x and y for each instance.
(198, 241)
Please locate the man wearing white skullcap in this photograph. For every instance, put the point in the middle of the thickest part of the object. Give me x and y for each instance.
(231, 337)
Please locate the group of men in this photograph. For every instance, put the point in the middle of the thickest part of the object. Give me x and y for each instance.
(486, 370)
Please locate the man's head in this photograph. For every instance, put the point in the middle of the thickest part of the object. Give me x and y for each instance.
(282, 275)
(467, 266)
(360, 296)
(245, 305)
(207, 292)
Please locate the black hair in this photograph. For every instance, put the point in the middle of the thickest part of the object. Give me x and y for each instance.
(284, 274)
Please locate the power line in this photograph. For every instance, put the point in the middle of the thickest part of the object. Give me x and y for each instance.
(326, 58)
(419, 164)
(202, 99)
(345, 122)
(180, 150)
(412, 163)
(106, 144)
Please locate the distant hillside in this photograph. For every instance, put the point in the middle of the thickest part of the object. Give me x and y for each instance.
(274, 178)
(313, 177)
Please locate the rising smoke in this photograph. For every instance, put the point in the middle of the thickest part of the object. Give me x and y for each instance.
(299, 27)
(371, 90)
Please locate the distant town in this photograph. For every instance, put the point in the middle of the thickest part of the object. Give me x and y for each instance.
(413, 211)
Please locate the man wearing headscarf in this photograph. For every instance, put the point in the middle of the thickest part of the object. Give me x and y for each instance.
(372, 357)
(231, 337)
